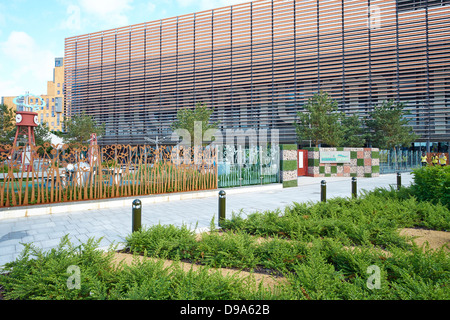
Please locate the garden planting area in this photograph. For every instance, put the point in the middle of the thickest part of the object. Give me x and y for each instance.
(310, 251)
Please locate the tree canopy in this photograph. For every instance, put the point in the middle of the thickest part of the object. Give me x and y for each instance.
(186, 119)
(7, 124)
(386, 127)
(320, 121)
(79, 128)
(389, 127)
(354, 133)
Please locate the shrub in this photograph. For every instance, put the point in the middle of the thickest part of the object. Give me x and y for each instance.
(373, 219)
(38, 275)
(43, 275)
(165, 241)
(432, 184)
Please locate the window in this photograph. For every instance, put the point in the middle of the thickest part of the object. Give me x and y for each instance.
(409, 5)
(59, 92)
(59, 85)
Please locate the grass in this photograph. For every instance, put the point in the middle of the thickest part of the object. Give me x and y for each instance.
(323, 250)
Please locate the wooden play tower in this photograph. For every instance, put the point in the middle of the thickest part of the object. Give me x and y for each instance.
(26, 120)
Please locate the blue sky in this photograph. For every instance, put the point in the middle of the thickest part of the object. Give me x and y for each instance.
(32, 32)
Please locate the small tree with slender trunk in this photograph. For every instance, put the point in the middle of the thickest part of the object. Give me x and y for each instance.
(389, 126)
(79, 128)
(186, 119)
(320, 121)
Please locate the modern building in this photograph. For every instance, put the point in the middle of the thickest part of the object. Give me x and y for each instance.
(257, 64)
(53, 113)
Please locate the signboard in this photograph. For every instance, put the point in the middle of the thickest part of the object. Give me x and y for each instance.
(334, 156)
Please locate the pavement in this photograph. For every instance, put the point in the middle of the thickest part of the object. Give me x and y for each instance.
(114, 224)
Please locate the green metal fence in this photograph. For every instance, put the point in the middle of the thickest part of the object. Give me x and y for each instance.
(392, 161)
(248, 166)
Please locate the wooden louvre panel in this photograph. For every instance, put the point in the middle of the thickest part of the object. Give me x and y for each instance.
(257, 63)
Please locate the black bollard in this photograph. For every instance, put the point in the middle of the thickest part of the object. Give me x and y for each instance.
(354, 188)
(222, 206)
(323, 191)
(136, 215)
(399, 180)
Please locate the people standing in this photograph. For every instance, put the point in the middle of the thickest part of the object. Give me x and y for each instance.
(434, 160)
(442, 160)
(424, 159)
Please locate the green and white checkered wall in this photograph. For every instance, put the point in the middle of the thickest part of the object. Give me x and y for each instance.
(364, 162)
(289, 165)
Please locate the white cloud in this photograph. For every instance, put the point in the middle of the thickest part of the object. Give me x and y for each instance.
(73, 19)
(151, 7)
(109, 12)
(8, 88)
(29, 65)
(209, 4)
(2, 18)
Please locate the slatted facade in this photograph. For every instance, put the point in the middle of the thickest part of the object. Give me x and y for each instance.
(257, 63)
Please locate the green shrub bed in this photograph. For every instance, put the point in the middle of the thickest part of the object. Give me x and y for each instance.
(323, 250)
(38, 275)
(310, 245)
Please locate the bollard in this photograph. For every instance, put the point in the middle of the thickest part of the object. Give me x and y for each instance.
(399, 180)
(136, 215)
(323, 191)
(222, 206)
(354, 190)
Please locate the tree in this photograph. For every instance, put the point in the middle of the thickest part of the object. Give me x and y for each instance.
(389, 127)
(320, 122)
(353, 130)
(7, 124)
(186, 119)
(42, 134)
(79, 128)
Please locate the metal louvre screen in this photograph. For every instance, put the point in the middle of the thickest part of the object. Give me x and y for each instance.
(257, 63)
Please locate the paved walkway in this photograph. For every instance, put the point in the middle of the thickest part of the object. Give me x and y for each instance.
(114, 224)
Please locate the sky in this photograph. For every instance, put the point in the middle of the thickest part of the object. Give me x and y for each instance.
(32, 32)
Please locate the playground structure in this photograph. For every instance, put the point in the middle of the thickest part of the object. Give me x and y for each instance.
(25, 157)
(26, 120)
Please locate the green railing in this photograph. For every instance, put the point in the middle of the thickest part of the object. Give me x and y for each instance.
(248, 167)
(392, 161)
